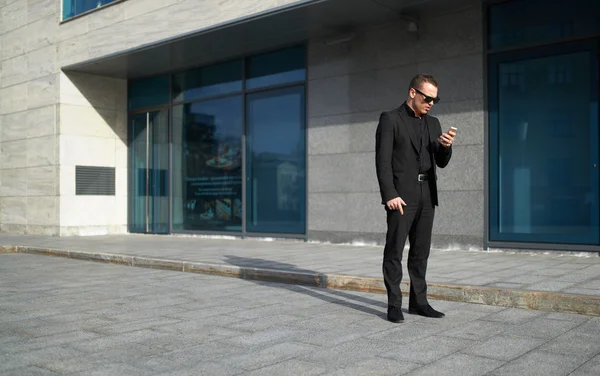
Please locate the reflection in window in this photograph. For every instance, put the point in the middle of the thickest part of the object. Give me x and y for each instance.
(207, 165)
(208, 121)
(522, 22)
(512, 75)
(546, 186)
(71, 8)
(148, 92)
(560, 73)
(276, 68)
(208, 81)
(276, 161)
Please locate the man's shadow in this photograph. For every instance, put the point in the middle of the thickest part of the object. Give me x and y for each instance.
(341, 298)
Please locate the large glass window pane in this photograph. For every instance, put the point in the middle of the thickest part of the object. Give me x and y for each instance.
(275, 68)
(276, 161)
(207, 174)
(208, 81)
(544, 137)
(524, 22)
(72, 8)
(149, 92)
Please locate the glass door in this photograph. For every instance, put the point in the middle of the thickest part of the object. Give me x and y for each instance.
(149, 172)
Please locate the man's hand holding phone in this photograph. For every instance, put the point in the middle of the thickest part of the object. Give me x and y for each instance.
(446, 139)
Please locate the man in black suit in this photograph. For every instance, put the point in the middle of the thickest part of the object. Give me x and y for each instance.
(409, 146)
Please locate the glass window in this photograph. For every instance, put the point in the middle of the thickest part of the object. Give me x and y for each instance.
(524, 22)
(149, 92)
(276, 161)
(208, 81)
(71, 8)
(544, 146)
(203, 177)
(148, 168)
(207, 171)
(276, 68)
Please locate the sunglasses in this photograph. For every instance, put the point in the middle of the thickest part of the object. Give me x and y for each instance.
(428, 99)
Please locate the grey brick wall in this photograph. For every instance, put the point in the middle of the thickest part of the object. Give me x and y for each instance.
(349, 85)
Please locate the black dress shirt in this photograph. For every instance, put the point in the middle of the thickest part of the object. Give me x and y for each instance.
(421, 131)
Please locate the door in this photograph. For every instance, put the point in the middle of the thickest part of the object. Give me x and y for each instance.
(149, 172)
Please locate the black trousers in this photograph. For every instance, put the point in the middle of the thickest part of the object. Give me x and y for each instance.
(416, 224)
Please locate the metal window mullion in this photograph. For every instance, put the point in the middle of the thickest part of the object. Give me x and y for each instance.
(170, 156)
(244, 151)
(147, 170)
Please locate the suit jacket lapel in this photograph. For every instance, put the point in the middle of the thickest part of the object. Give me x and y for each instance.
(410, 129)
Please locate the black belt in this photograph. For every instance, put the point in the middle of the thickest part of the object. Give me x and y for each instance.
(422, 177)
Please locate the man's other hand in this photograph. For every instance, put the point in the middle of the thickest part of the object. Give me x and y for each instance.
(396, 204)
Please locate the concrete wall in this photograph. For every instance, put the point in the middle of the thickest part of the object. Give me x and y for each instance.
(29, 135)
(93, 132)
(349, 85)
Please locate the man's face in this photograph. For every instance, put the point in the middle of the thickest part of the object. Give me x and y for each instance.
(419, 96)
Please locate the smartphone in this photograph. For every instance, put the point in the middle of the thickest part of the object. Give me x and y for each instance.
(453, 129)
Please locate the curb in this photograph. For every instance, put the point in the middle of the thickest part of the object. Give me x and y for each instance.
(536, 300)
(7, 249)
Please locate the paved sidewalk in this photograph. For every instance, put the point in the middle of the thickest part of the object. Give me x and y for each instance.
(552, 274)
(67, 317)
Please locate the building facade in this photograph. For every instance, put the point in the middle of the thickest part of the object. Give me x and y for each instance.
(257, 118)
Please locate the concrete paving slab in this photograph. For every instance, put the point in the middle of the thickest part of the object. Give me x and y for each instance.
(210, 344)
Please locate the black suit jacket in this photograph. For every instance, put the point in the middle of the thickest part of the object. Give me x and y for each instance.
(397, 153)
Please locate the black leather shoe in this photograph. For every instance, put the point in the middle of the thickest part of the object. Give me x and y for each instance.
(426, 311)
(395, 314)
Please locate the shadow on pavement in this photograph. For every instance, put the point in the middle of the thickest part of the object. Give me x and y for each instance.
(359, 303)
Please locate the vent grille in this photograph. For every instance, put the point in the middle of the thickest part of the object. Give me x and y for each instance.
(94, 181)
